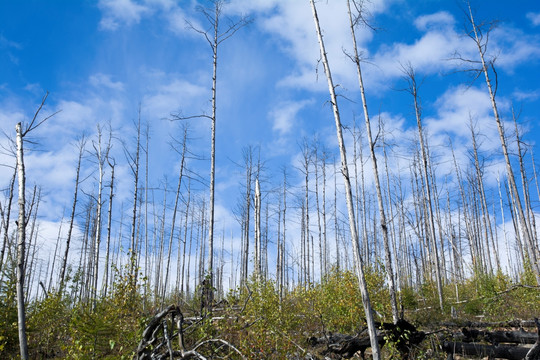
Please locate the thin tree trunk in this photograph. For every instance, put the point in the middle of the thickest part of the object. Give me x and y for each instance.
(109, 225)
(175, 210)
(82, 143)
(6, 218)
(481, 46)
(135, 169)
(348, 193)
(21, 224)
(382, 219)
(257, 229)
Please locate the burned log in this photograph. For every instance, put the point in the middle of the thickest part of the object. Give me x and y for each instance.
(402, 334)
(497, 337)
(534, 353)
(491, 351)
(168, 325)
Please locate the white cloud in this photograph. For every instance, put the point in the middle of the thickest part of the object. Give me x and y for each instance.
(454, 108)
(173, 96)
(534, 18)
(283, 117)
(103, 80)
(117, 12)
(512, 47)
(438, 20)
(522, 95)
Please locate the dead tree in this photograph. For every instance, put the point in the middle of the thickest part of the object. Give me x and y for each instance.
(480, 35)
(371, 143)
(165, 338)
(82, 144)
(21, 227)
(413, 90)
(215, 36)
(348, 192)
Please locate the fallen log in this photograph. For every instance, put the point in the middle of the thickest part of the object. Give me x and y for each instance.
(492, 351)
(168, 325)
(403, 335)
(497, 337)
(534, 353)
(344, 345)
(481, 324)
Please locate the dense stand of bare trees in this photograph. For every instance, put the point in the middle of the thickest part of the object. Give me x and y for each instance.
(404, 217)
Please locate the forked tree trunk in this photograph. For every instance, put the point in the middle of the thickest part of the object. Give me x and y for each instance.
(348, 193)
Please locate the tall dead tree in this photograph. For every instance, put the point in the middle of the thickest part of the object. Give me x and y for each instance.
(134, 165)
(112, 165)
(215, 36)
(382, 216)
(175, 210)
(82, 144)
(258, 244)
(5, 219)
(21, 227)
(410, 77)
(480, 35)
(348, 193)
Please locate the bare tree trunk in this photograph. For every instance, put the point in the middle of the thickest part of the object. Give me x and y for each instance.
(336, 227)
(109, 225)
(283, 241)
(257, 228)
(21, 224)
(348, 193)
(82, 143)
(481, 45)
(213, 16)
(100, 157)
(325, 241)
(318, 207)
(525, 187)
(134, 164)
(413, 90)
(49, 286)
(185, 241)
(146, 257)
(488, 232)
(158, 281)
(175, 210)
(5, 219)
(306, 154)
(21, 229)
(248, 161)
(384, 227)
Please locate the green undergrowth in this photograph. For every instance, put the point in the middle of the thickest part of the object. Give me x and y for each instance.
(254, 318)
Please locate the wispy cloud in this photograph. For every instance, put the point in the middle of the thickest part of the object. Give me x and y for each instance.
(438, 20)
(103, 80)
(284, 115)
(534, 18)
(117, 12)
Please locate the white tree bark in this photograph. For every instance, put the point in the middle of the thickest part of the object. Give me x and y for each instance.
(21, 224)
(348, 193)
(382, 216)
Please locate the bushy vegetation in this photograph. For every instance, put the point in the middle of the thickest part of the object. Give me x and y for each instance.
(254, 318)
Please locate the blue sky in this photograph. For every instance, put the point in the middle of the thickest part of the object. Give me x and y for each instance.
(100, 59)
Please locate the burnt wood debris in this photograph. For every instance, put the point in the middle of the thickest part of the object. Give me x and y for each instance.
(165, 337)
